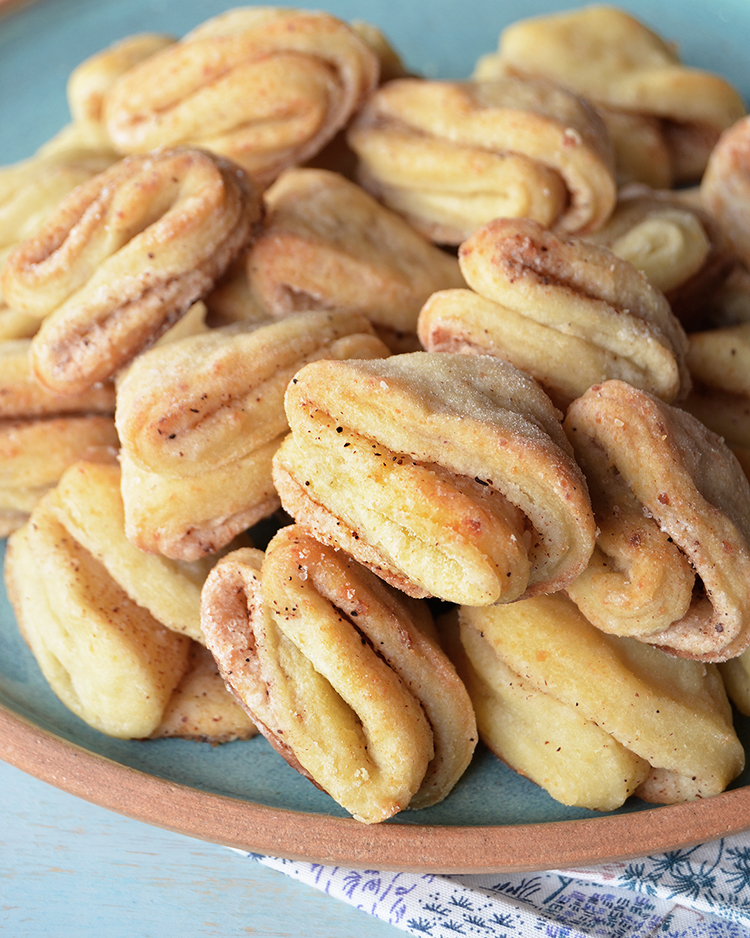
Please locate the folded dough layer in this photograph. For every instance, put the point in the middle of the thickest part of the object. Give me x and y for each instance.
(267, 87)
(328, 244)
(124, 256)
(672, 562)
(542, 301)
(446, 474)
(450, 156)
(200, 420)
(340, 673)
(594, 718)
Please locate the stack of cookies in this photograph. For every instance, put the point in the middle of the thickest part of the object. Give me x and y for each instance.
(380, 414)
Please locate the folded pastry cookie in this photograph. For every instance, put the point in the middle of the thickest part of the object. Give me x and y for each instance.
(343, 675)
(448, 475)
(95, 615)
(123, 257)
(672, 561)
(625, 68)
(568, 312)
(200, 419)
(590, 717)
(107, 658)
(328, 244)
(30, 191)
(450, 156)
(267, 87)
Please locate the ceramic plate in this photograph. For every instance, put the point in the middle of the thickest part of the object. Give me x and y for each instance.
(243, 794)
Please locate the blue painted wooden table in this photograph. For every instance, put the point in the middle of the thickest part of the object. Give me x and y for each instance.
(70, 869)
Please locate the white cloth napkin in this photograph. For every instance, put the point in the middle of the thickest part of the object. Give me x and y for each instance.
(702, 892)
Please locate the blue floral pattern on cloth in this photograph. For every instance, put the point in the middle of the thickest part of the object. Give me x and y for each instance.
(700, 892)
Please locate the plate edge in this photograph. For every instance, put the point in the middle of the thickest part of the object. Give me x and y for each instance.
(438, 849)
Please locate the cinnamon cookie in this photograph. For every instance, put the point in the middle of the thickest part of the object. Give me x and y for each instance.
(107, 658)
(594, 718)
(123, 257)
(267, 87)
(343, 675)
(327, 244)
(448, 475)
(672, 561)
(200, 419)
(636, 80)
(567, 312)
(451, 156)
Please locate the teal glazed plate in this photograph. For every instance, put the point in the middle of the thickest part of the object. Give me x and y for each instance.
(243, 794)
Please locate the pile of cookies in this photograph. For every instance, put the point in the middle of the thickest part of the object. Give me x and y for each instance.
(382, 414)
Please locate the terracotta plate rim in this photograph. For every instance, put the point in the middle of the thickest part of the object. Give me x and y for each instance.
(316, 838)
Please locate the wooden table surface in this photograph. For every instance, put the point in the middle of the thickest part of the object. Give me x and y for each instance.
(70, 869)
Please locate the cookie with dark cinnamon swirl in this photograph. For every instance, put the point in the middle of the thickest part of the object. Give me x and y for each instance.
(342, 674)
(672, 561)
(568, 312)
(124, 256)
(448, 475)
(200, 420)
(266, 87)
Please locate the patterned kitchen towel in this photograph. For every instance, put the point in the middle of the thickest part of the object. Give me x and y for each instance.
(702, 892)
